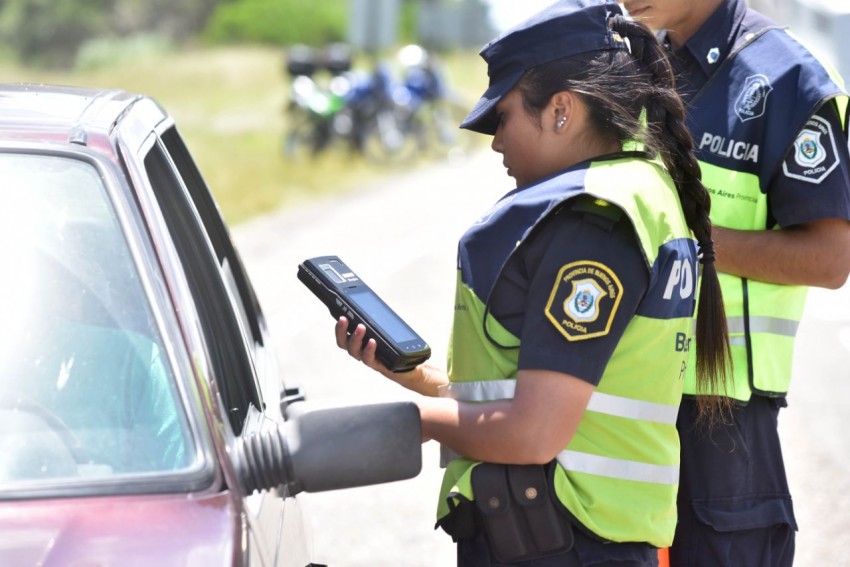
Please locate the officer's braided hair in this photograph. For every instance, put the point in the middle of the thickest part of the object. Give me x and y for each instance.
(631, 99)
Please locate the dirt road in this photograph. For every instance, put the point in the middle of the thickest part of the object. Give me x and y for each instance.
(400, 235)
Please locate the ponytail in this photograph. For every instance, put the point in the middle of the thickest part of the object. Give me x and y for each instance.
(670, 139)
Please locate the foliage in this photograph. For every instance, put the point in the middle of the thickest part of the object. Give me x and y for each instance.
(279, 22)
(102, 52)
(408, 24)
(64, 33)
(50, 31)
(174, 20)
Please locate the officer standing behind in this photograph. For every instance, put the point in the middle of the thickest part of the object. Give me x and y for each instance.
(574, 304)
(770, 126)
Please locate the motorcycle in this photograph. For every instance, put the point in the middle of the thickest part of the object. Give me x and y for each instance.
(375, 114)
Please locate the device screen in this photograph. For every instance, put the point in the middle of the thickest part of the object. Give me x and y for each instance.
(382, 315)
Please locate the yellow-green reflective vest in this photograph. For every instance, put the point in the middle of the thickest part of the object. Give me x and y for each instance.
(743, 122)
(619, 474)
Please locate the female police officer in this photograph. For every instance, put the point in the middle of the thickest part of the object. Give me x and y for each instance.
(574, 301)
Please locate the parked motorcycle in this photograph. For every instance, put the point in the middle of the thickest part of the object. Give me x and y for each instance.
(435, 110)
(378, 114)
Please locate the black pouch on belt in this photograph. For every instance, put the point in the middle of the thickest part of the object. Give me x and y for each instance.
(519, 512)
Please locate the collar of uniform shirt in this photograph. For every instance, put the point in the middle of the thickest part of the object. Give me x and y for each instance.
(720, 31)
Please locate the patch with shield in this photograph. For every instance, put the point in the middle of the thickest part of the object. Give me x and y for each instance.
(752, 101)
(814, 155)
(584, 300)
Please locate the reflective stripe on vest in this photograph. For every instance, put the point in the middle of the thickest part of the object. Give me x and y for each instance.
(491, 390)
(759, 324)
(618, 468)
(764, 324)
(600, 402)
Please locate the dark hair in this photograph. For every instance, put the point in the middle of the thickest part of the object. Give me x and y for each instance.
(631, 96)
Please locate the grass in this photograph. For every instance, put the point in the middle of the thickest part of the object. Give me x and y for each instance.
(228, 104)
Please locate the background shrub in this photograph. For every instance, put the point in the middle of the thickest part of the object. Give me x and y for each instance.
(278, 22)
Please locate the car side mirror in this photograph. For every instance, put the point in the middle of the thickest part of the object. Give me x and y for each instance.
(320, 449)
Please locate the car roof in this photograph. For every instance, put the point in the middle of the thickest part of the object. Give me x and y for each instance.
(60, 113)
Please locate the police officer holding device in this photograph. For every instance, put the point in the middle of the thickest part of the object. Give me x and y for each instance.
(770, 124)
(574, 304)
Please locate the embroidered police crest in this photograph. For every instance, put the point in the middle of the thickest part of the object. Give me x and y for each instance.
(584, 299)
(814, 155)
(752, 102)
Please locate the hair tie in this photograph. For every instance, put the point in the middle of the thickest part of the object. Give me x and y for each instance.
(617, 22)
(620, 25)
(706, 252)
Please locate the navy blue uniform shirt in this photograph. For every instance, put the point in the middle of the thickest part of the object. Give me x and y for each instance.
(790, 201)
(578, 231)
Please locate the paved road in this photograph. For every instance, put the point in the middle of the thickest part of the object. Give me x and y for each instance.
(815, 430)
(400, 235)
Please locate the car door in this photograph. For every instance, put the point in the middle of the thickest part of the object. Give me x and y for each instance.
(243, 364)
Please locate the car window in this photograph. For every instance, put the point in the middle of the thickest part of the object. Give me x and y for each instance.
(265, 380)
(247, 306)
(86, 388)
(185, 203)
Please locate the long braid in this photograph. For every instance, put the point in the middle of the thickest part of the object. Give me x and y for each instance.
(665, 115)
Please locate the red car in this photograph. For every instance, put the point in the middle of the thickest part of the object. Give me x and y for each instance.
(143, 420)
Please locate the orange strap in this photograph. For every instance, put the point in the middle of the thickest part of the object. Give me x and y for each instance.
(664, 557)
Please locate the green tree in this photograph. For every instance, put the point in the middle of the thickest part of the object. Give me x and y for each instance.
(279, 22)
(50, 31)
(169, 18)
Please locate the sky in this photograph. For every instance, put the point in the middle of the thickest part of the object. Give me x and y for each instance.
(506, 13)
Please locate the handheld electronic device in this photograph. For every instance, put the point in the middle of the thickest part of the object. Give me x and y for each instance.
(344, 293)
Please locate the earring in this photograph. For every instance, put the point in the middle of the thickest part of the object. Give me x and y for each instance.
(560, 123)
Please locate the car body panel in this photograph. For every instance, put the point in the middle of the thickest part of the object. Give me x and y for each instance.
(129, 531)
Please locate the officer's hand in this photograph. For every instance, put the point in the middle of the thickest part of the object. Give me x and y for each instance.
(355, 347)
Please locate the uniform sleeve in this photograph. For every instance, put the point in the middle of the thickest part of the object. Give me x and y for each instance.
(571, 290)
(814, 180)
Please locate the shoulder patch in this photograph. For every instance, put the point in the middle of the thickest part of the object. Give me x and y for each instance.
(584, 299)
(814, 155)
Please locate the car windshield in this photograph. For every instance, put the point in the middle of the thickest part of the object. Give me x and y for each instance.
(86, 388)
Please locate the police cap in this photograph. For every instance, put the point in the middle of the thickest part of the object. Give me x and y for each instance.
(563, 29)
